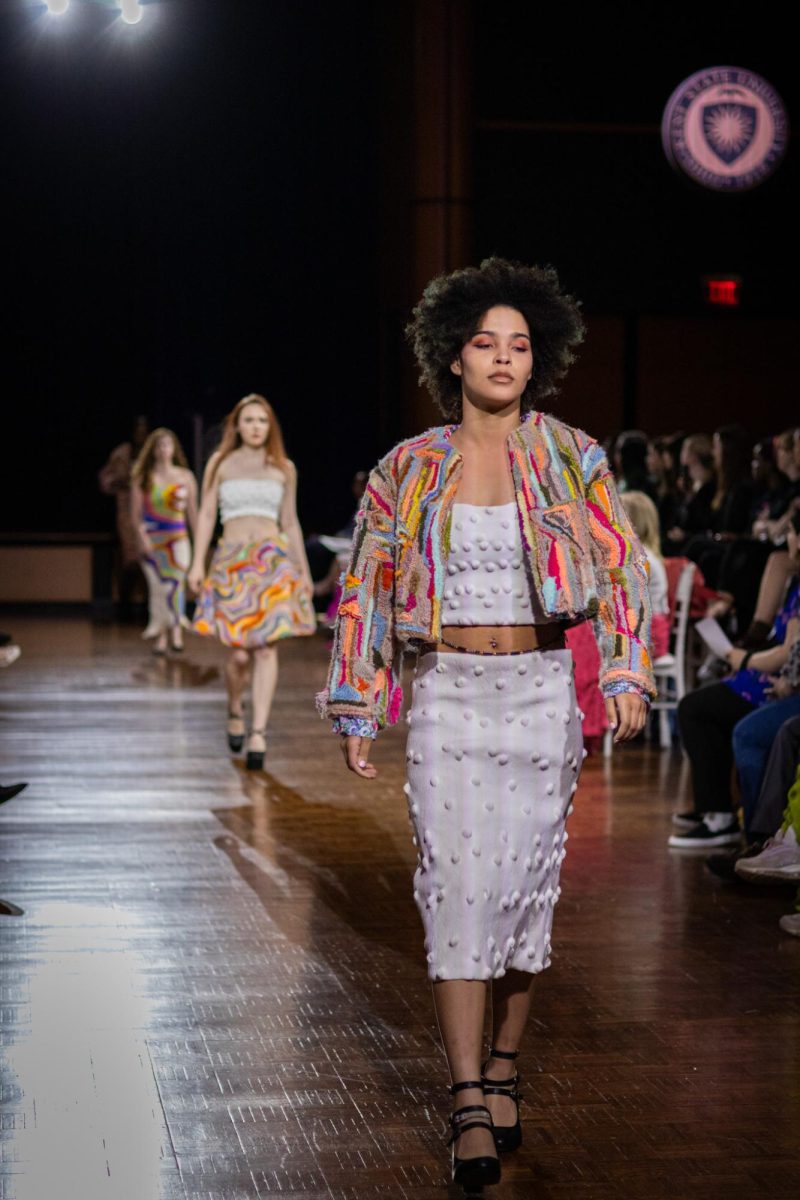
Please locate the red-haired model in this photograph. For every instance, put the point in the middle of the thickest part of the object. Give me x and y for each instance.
(258, 588)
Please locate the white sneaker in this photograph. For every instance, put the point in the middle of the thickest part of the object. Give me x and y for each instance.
(779, 860)
(791, 924)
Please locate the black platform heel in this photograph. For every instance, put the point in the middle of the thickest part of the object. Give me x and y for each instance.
(472, 1173)
(235, 740)
(506, 1137)
(255, 758)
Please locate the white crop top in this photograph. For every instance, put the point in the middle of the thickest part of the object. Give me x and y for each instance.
(486, 581)
(250, 498)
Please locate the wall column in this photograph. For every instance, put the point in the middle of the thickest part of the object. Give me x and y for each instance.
(428, 226)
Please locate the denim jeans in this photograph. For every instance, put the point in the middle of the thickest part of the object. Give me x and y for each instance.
(753, 737)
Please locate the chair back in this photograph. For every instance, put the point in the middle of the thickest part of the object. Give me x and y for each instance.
(680, 624)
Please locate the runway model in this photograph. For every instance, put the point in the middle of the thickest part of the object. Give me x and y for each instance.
(164, 510)
(478, 543)
(258, 589)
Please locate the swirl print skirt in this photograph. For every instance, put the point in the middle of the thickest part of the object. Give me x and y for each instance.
(165, 567)
(495, 749)
(253, 596)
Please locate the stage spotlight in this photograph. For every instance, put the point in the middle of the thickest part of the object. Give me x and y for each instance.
(132, 11)
(57, 7)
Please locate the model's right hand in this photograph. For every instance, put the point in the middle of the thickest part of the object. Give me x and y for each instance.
(356, 755)
(195, 580)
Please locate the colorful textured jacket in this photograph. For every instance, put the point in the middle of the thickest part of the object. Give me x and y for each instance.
(582, 560)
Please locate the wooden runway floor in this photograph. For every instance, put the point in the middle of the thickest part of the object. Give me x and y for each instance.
(216, 989)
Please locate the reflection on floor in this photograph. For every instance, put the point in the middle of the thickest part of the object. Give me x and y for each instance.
(216, 985)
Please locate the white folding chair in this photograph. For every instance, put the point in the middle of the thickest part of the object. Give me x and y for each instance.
(669, 669)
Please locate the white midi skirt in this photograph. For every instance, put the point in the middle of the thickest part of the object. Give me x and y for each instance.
(495, 748)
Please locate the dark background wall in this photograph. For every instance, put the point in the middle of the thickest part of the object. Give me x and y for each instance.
(222, 202)
(569, 169)
(189, 215)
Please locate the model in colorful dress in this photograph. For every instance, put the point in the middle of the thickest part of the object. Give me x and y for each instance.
(258, 589)
(478, 543)
(164, 511)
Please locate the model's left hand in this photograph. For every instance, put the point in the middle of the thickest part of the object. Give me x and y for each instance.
(626, 714)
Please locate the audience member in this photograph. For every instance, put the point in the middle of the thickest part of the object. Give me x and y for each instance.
(738, 710)
(630, 463)
(778, 860)
(644, 518)
(696, 489)
(663, 464)
(324, 561)
(730, 504)
(745, 559)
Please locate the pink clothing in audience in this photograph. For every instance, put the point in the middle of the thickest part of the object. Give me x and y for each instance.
(581, 641)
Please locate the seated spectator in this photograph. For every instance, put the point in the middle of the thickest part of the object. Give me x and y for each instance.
(744, 560)
(771, 592)
(776, 475)
(324, 561)
(738, 711)
(630, 463)
(663, 455)
(730, 505)
(777, 857)
(644, 518)
(697, 487)
(778, 860)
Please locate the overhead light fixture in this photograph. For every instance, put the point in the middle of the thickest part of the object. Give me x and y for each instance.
(132, 11)
(57, 7)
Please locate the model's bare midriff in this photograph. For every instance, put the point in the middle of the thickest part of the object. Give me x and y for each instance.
(250, 529)
(499, 639)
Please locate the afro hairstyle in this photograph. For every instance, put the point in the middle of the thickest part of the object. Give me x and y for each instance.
(450, 310)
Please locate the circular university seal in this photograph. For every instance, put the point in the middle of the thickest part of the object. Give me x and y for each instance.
(725, 128)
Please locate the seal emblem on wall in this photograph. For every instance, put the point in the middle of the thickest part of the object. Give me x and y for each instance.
(726, 128)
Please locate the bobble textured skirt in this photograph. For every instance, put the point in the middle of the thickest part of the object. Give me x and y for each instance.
(494, 752)
(253, 596)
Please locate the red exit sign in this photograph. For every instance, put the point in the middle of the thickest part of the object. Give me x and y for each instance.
(722, 291)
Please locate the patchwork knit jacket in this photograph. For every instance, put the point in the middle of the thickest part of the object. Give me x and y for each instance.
(582, 560)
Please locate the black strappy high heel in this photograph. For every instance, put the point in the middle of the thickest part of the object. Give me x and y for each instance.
(472, 1173)
(255, 758)
(506, 1137)
(235, 740)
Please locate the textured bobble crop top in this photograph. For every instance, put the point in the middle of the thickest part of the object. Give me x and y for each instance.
(486, 581)
(250, 498)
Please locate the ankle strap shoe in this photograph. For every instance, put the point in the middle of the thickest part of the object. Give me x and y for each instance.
(472, 1173)
(506, 1137)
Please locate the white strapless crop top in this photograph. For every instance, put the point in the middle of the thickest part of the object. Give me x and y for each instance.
(486, 581)
(250, 498)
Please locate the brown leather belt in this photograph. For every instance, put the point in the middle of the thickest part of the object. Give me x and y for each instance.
(534, 637)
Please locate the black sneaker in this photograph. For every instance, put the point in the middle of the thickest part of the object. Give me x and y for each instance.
(10, 791)
(724, 865)
(687, 820)
(706, 833)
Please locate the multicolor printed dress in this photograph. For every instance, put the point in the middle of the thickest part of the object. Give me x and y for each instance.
(165, 568)
(253, 596)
